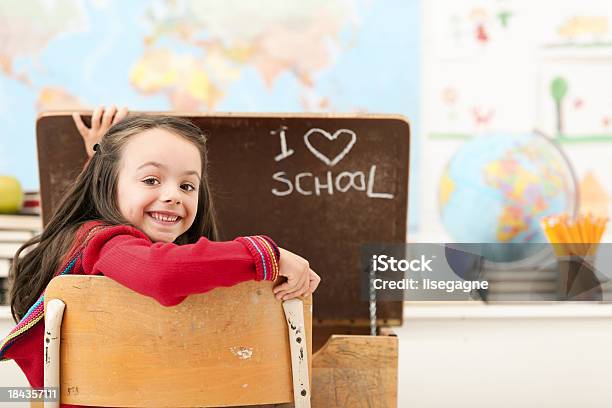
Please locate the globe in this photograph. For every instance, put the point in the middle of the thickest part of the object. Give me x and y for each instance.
(496, 188)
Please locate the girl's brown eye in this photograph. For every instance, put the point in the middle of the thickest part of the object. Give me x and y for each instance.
(187, 187)
(150, 181)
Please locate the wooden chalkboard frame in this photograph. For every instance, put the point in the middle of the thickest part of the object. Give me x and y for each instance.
(240, 137)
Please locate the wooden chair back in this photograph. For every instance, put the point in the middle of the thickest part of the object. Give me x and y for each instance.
(227, 347)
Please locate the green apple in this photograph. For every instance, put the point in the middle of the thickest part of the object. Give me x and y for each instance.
(11, 195)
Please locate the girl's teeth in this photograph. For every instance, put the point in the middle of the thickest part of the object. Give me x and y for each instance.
(165, 218)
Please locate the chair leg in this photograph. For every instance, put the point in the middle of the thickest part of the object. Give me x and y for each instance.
(53, 328)
(294, 313)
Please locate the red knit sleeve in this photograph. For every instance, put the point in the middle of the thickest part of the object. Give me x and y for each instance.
(169, 272)
(264, 249)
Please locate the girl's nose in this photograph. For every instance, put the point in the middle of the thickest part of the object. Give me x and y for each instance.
(171, 196)
(172, 201)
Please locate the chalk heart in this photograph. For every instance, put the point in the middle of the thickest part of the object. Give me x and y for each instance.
(331, 137)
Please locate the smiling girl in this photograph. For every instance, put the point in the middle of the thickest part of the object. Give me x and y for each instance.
(140, 213)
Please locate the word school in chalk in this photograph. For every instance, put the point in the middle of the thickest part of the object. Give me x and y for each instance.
(307, 183)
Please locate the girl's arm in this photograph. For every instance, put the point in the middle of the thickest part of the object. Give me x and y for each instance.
(169, 272)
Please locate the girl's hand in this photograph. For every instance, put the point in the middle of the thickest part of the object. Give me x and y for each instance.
(314, 281)
(101, 120)
(301, 280)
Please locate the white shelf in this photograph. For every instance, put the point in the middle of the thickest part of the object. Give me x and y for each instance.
(476, 310)
(21, 222)
(5, 313)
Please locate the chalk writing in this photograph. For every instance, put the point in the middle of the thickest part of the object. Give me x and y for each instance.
(329, 136)
(306, 183)
(283, 141)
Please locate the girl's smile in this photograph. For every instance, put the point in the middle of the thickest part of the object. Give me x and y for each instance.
(164, 217)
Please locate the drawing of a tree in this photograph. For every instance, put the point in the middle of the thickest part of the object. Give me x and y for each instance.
(558, 90)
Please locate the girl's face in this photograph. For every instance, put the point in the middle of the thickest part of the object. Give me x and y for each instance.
(157, 189)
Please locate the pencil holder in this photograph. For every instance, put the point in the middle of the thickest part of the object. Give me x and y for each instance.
(577, 279)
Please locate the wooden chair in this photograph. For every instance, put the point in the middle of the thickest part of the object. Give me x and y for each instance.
(106, 345)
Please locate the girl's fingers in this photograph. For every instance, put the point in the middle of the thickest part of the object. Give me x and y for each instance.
(305, 290)
(314, 281)
(287, 295)
(298, 290)
(121, 114)
(283, 287)
(289, 285)
(107, 118)
(313, 286)
(280, 295)
(78, 121)
(282, 290)
(286, 291)
(293, 285)
(298, 293)
(95, 118)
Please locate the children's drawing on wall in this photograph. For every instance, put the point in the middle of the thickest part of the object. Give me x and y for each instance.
(575, 109)
(593, 173)
(579, 28)
(472, 99)
(462, 114)
(575, 102)
(594, 198)
(470, 28)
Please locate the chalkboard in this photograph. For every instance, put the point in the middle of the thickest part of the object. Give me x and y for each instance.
(320, 185)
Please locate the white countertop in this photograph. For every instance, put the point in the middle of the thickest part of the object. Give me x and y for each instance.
(478, 310)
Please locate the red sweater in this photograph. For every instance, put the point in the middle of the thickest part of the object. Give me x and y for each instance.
(164, 271)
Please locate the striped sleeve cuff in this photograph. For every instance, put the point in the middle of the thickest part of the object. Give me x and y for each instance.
(265, 254)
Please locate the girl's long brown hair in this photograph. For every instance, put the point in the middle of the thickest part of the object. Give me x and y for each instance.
(93, 197)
